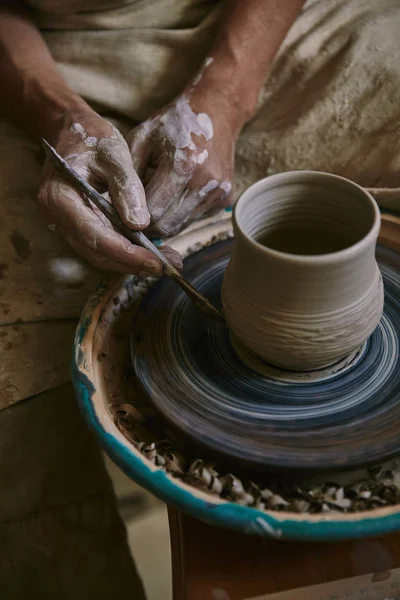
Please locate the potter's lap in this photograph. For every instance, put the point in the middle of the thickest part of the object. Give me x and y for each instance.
(330, 103)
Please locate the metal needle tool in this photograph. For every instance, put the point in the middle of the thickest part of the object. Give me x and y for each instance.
(136, 237)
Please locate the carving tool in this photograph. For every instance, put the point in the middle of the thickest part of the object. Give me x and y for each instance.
(136, 237)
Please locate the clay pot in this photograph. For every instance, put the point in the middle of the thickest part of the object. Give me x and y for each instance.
(303, 289)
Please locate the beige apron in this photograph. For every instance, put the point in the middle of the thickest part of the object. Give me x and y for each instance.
(331, 103)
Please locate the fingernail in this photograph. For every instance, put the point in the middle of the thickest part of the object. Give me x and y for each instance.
(152, 267)
(177, 261)
(173, 256)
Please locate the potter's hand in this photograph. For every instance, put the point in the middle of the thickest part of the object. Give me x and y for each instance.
(185, 156)
(99, 153)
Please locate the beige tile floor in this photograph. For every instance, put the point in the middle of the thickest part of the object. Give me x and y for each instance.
(147, 525)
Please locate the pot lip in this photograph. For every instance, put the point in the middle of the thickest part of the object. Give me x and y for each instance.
(316, 259)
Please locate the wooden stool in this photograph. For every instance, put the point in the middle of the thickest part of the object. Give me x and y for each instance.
(209, 563)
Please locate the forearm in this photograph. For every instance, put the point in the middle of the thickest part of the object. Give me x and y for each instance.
(33, 93)
(247, 44)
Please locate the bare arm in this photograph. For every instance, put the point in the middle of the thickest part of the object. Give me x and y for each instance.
(38, 98)
(243, 53)
(191, 180)
(33, 94)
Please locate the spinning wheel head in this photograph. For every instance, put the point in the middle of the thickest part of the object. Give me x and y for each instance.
(214, 392)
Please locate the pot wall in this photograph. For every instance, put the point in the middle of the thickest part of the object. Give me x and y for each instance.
(297, 311)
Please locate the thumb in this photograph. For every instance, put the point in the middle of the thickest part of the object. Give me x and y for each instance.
(124, 185)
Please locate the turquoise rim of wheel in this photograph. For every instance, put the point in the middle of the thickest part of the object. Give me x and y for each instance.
(228, 515)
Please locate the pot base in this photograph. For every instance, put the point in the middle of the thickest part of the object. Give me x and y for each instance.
(256, 363)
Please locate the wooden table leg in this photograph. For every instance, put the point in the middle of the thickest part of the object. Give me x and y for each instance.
(210, 563)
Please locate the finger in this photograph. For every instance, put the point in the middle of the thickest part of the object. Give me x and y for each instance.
(97, 261)
(207, 214)
(174, 219)
(139, 144)
(103, 263)
(144, 261)
(192, 207)
(78, 221)
(114, 165)
(173, 256)
(215, 200)
(164, 189)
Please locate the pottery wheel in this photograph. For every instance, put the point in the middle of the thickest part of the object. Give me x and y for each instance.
(191, 372)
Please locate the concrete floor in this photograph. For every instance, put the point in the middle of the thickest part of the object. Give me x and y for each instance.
(147, 525)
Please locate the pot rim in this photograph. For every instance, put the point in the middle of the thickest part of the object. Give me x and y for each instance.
(316, 259)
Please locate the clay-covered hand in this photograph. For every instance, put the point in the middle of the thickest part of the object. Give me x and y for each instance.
(185, 158)
(99, 153)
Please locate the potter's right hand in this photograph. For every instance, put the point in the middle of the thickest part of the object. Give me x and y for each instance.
(99, 153)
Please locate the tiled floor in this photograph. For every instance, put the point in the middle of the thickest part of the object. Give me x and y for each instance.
(147, 525)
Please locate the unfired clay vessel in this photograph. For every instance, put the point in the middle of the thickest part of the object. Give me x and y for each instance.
(303, 289)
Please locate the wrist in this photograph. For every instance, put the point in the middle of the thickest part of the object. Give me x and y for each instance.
(64, 128)
(217, 102)
(51, 107)
(57, 113)
(232, 89)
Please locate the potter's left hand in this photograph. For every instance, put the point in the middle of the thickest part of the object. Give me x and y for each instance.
(185, 158)
(185, 153)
